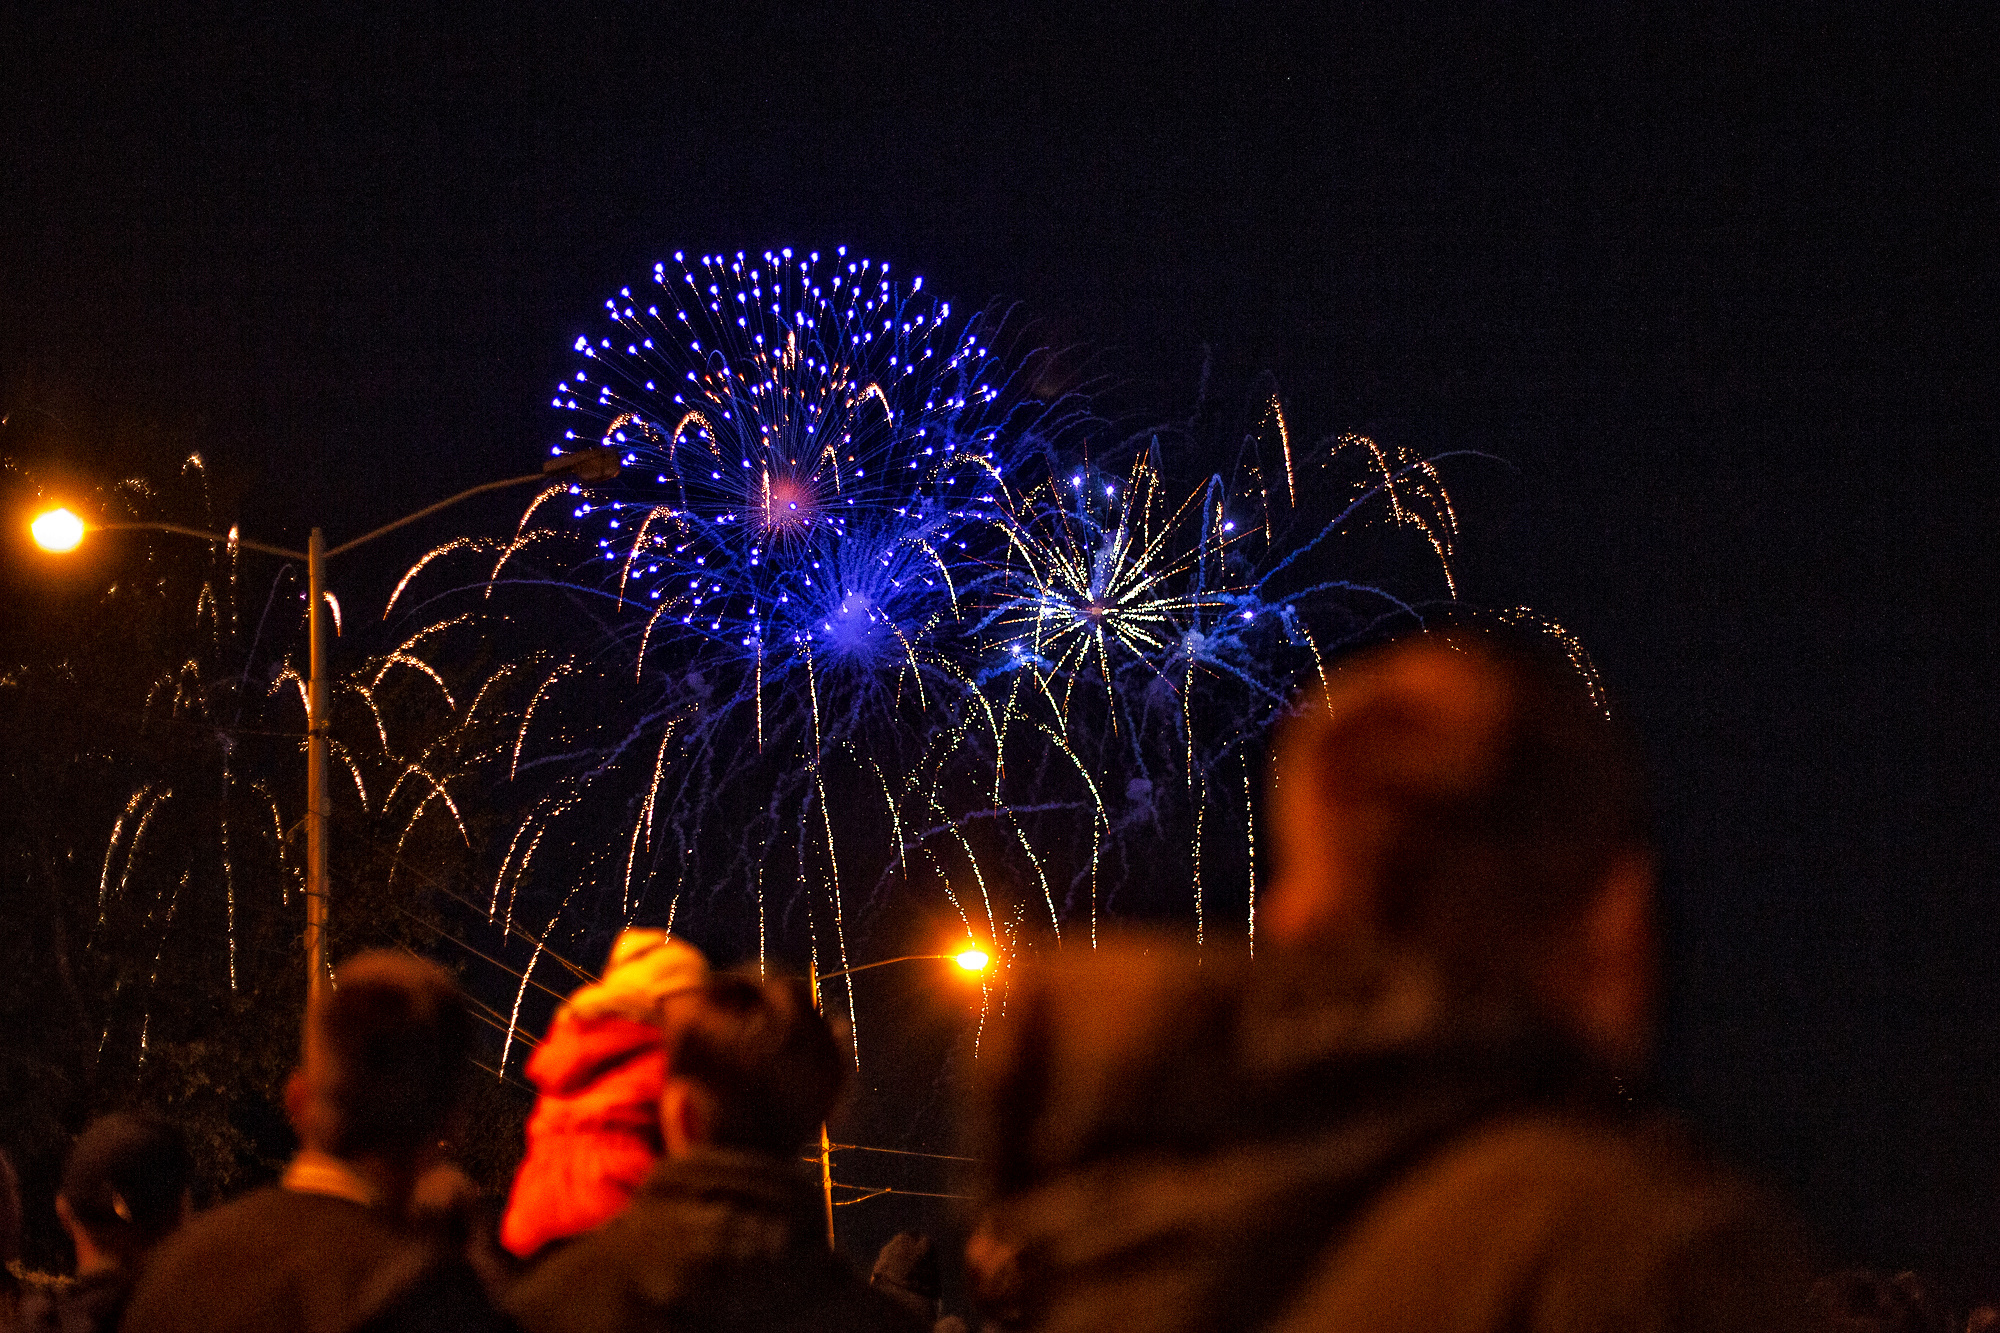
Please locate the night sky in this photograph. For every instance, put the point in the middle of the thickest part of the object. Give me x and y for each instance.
(1716, 288)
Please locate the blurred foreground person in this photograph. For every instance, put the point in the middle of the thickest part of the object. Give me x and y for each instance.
(595, 1132)
(1405, 1114)
(125, 1187)
(335, 1246)
(726, 1233)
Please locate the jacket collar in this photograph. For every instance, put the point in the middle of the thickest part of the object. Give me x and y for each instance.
(758, 1182)
(316, 1172)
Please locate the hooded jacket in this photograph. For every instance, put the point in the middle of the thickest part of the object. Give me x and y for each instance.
(595, 1131)
(1321, 1142)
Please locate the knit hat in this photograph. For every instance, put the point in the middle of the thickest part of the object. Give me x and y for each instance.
(644, 968)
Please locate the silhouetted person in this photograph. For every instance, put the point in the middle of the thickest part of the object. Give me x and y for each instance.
(335, 1246)
(726, 1233)
(1405, 1113)
(125, 1187)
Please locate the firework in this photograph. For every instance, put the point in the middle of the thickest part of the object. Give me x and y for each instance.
(865, 620)
(1151, 639)
(780, 591)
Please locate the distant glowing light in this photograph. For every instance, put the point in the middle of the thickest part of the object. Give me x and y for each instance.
(57, 530)
(972, 960)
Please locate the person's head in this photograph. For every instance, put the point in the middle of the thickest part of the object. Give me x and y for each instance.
(751, 1065)
(1461, 795)
(384, 1055)
(125, 1185)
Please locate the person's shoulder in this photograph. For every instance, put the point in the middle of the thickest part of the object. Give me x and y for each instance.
(627, 1274)
(255, 1220)
(239, 1236)
(254, 1253)
(1532, 1219)
(1560, 1175)
(266, 1219)
(229, 1237)
(576, 1286)
(1092, 1038)
(647, 1257)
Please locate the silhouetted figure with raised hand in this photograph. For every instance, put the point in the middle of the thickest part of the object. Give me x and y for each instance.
(335, 1246)
(125, 1187)
(1407, 1112)
(726, 1234)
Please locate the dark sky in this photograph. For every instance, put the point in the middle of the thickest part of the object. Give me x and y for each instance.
(1716, 285)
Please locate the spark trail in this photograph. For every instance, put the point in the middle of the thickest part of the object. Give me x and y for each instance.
(869, 614)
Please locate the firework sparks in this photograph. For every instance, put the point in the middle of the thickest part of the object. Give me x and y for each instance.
(865, 615)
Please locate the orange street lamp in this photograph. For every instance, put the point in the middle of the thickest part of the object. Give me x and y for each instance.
(972, 958)
(58, 530)
(61, 531)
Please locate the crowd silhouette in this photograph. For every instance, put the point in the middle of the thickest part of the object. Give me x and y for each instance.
(1410, 1112)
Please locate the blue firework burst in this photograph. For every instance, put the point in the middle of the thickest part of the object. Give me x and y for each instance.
(872, 622)
(818, 448)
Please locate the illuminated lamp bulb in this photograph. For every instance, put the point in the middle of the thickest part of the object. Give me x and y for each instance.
(972, 959)
(57, 530)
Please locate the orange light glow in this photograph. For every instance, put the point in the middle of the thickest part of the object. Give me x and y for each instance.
(57, 530)
(972, 959)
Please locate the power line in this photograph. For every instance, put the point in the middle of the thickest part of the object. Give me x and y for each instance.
(877, 1191)
(899, 1152)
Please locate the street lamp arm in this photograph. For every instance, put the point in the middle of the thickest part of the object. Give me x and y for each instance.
(599, 464)
(426, 512)
(204, 535)
(884, 962)
(60, 530)
(972, 959)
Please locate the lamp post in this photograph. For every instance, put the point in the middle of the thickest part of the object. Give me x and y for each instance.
(60, 530)
(972, 958)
